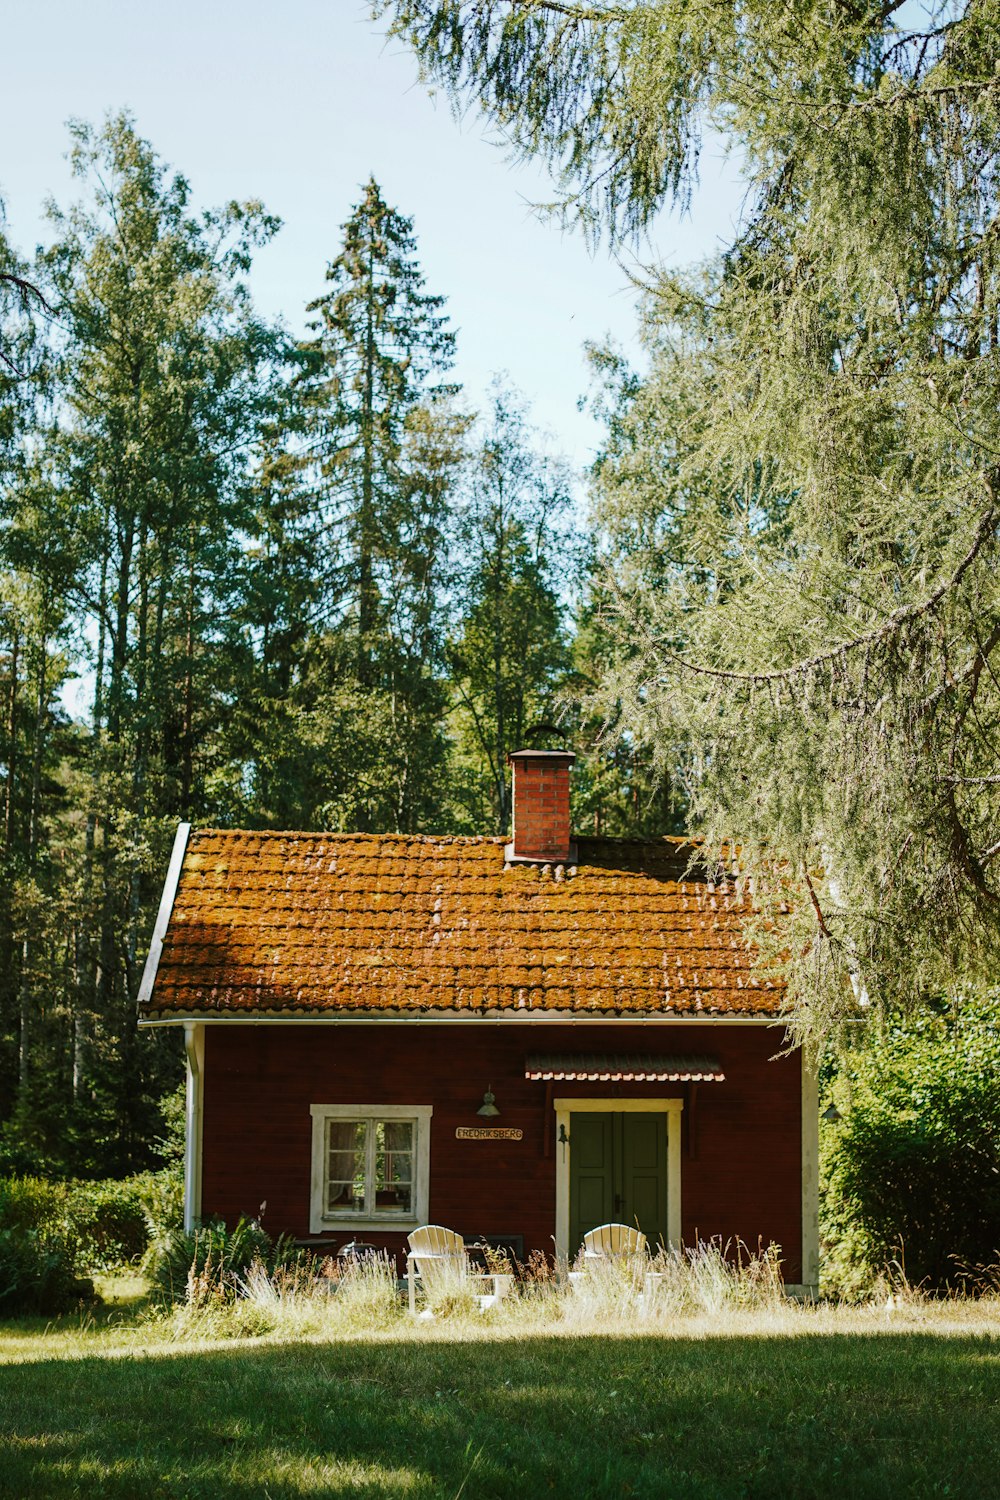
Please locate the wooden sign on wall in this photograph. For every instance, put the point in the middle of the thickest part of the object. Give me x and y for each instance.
(487, 1133)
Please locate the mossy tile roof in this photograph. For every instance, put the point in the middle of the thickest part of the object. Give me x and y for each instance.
(309, 924)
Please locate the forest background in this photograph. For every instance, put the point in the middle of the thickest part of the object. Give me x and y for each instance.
(306, 584)
(297, 584)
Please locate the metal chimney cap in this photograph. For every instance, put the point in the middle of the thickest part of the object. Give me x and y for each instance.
(554, 757)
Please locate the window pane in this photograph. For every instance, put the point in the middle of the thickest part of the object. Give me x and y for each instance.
(394, 1166)
(344, 1198)
(397, 1135)
(345, 1170)
(352, 1147)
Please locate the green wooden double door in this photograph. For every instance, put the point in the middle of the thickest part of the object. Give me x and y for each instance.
(618, 1173)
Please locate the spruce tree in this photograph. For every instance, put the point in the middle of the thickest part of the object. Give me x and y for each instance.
(381, 440)
(163, 375)
(37, 741)
(509, 653)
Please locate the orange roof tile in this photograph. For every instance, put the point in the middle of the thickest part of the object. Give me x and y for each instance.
(318, 924)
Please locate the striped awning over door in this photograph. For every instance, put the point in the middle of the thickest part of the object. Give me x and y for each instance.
(623, 1068)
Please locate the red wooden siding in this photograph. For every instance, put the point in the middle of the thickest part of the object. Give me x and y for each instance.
(744, 1179)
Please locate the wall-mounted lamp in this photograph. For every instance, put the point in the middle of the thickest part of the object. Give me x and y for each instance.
(488, 1106)
(563, 1137)
(832, 1114)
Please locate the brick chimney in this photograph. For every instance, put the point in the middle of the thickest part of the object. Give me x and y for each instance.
(541, 807)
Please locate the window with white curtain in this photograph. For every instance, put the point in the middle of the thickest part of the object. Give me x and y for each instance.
(370, 1165)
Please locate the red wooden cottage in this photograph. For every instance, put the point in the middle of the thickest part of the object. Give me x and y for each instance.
(520, 1041)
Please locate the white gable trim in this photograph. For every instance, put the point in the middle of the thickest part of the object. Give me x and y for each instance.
(163, 915)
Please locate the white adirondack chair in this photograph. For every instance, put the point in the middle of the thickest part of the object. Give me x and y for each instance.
(437, 1255)
(608, 1242)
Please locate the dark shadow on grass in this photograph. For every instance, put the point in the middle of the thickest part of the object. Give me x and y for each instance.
(852, 1416)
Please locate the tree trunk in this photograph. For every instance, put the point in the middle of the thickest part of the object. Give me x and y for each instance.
(503, 801)
(31, 848)
(366, 582)
(187, 728)
(10, 809)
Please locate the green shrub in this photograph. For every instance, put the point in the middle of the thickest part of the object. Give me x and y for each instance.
(33, 1203)
(107, 1221)
(161, 1195)
(63, 1229)
(113, 1223)
(211, 1263)
(39, 1258)
(911, 1171)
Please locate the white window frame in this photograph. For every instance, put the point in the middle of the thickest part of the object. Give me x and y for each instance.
(321, 1222)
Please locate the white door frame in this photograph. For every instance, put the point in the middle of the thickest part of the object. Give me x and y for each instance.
(565, 1107)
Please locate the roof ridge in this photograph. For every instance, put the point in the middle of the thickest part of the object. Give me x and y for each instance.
(655, 840)
(329, 833)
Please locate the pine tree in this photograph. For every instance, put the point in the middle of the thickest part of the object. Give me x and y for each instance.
(37, 742)
(163, 377)
(381, 441)
(509, 651)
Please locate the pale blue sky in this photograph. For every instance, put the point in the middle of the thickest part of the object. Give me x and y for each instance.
(296, 104)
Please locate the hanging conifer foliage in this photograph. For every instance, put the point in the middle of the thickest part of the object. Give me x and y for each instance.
(811, 634)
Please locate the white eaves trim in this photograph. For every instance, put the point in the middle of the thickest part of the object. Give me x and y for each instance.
(464, 1018)
(163, 915)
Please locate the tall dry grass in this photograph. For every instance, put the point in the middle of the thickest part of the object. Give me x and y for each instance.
(297, 1301)
(321, 1300)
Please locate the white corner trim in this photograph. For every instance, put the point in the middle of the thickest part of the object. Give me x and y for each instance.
(163, 915)
(194, 1051)
(564, 1107)
(421, 1114)
(810, 1177)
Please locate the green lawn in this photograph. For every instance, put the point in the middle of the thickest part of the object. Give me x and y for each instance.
(798, 1406)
